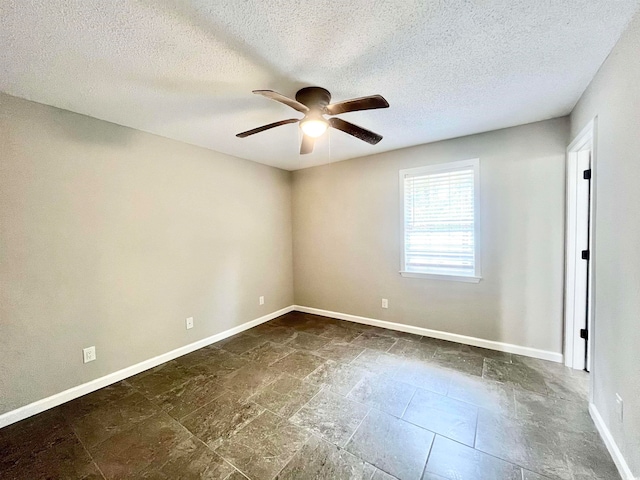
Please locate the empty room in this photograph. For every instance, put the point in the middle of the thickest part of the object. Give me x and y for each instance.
(369, 240)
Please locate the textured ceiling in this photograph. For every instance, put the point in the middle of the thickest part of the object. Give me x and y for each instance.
(184, 69)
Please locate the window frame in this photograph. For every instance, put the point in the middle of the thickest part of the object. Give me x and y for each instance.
(437, 168)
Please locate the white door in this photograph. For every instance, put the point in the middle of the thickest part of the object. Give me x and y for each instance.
(578, 257)
(581, 293)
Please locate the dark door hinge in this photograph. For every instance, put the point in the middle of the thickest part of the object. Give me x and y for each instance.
(585, 254)
(584, 333)
(586, 174)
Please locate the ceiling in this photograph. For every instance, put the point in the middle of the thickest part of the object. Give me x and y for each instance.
(184, 69)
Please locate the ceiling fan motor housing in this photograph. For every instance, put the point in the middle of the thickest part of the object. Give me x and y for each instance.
(316, 98)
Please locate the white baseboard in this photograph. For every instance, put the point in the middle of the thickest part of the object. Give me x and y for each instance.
(453, 337)
(59, 398)
(616, 454)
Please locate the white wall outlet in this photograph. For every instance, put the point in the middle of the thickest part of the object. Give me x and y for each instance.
(89, 354)
(385, 303)
(619, 407)
(261, 300)
(189, 323)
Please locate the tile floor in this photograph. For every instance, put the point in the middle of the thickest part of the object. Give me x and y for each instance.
(308, 397)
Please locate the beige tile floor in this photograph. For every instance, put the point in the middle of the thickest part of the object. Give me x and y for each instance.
(308, 397)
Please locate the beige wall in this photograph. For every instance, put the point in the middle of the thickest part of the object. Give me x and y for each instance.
(614, 96)
(347, 242)
(112, 237)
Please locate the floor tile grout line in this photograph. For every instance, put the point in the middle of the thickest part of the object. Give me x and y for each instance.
(356, 429)
(153, 399)
(304, 379)
(381, 469)
(426, 462)
(265, 386)
(483, 452)
(373, 474)
(224, 392)
(358, 356)
(360, 335)
(475, 433)
(324, 440)
(245, 426)
(84, 447)
(233, 465)
(99, 470)
(346, 395)
(307, 403)
(294, 453)
(367, 405)
(395, 341)
(231, 473)
(409, 422)
(415, 390)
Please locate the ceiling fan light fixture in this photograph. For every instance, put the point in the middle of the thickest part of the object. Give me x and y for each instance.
(314, 127)
(314, 103)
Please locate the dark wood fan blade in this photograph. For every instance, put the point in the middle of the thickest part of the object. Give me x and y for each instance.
(358, 132)
(355, 104)
(307, 144)
(266, 127)
(282, 99)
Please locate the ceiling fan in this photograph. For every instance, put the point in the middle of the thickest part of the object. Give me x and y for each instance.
(314, 103)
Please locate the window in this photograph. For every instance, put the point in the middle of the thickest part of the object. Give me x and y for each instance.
(440, 221)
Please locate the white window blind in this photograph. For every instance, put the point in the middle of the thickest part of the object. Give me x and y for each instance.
(440, 219)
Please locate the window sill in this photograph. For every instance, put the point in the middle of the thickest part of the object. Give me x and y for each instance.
(438, 276)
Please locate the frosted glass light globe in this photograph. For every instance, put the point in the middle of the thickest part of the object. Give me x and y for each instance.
(314, 128)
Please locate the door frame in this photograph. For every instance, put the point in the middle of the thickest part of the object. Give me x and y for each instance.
(573, 357)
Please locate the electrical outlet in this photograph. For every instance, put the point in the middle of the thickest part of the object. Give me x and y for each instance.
(261, 300)
(385, 303)
(89, 354)
(189, 323)
(619, 407)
